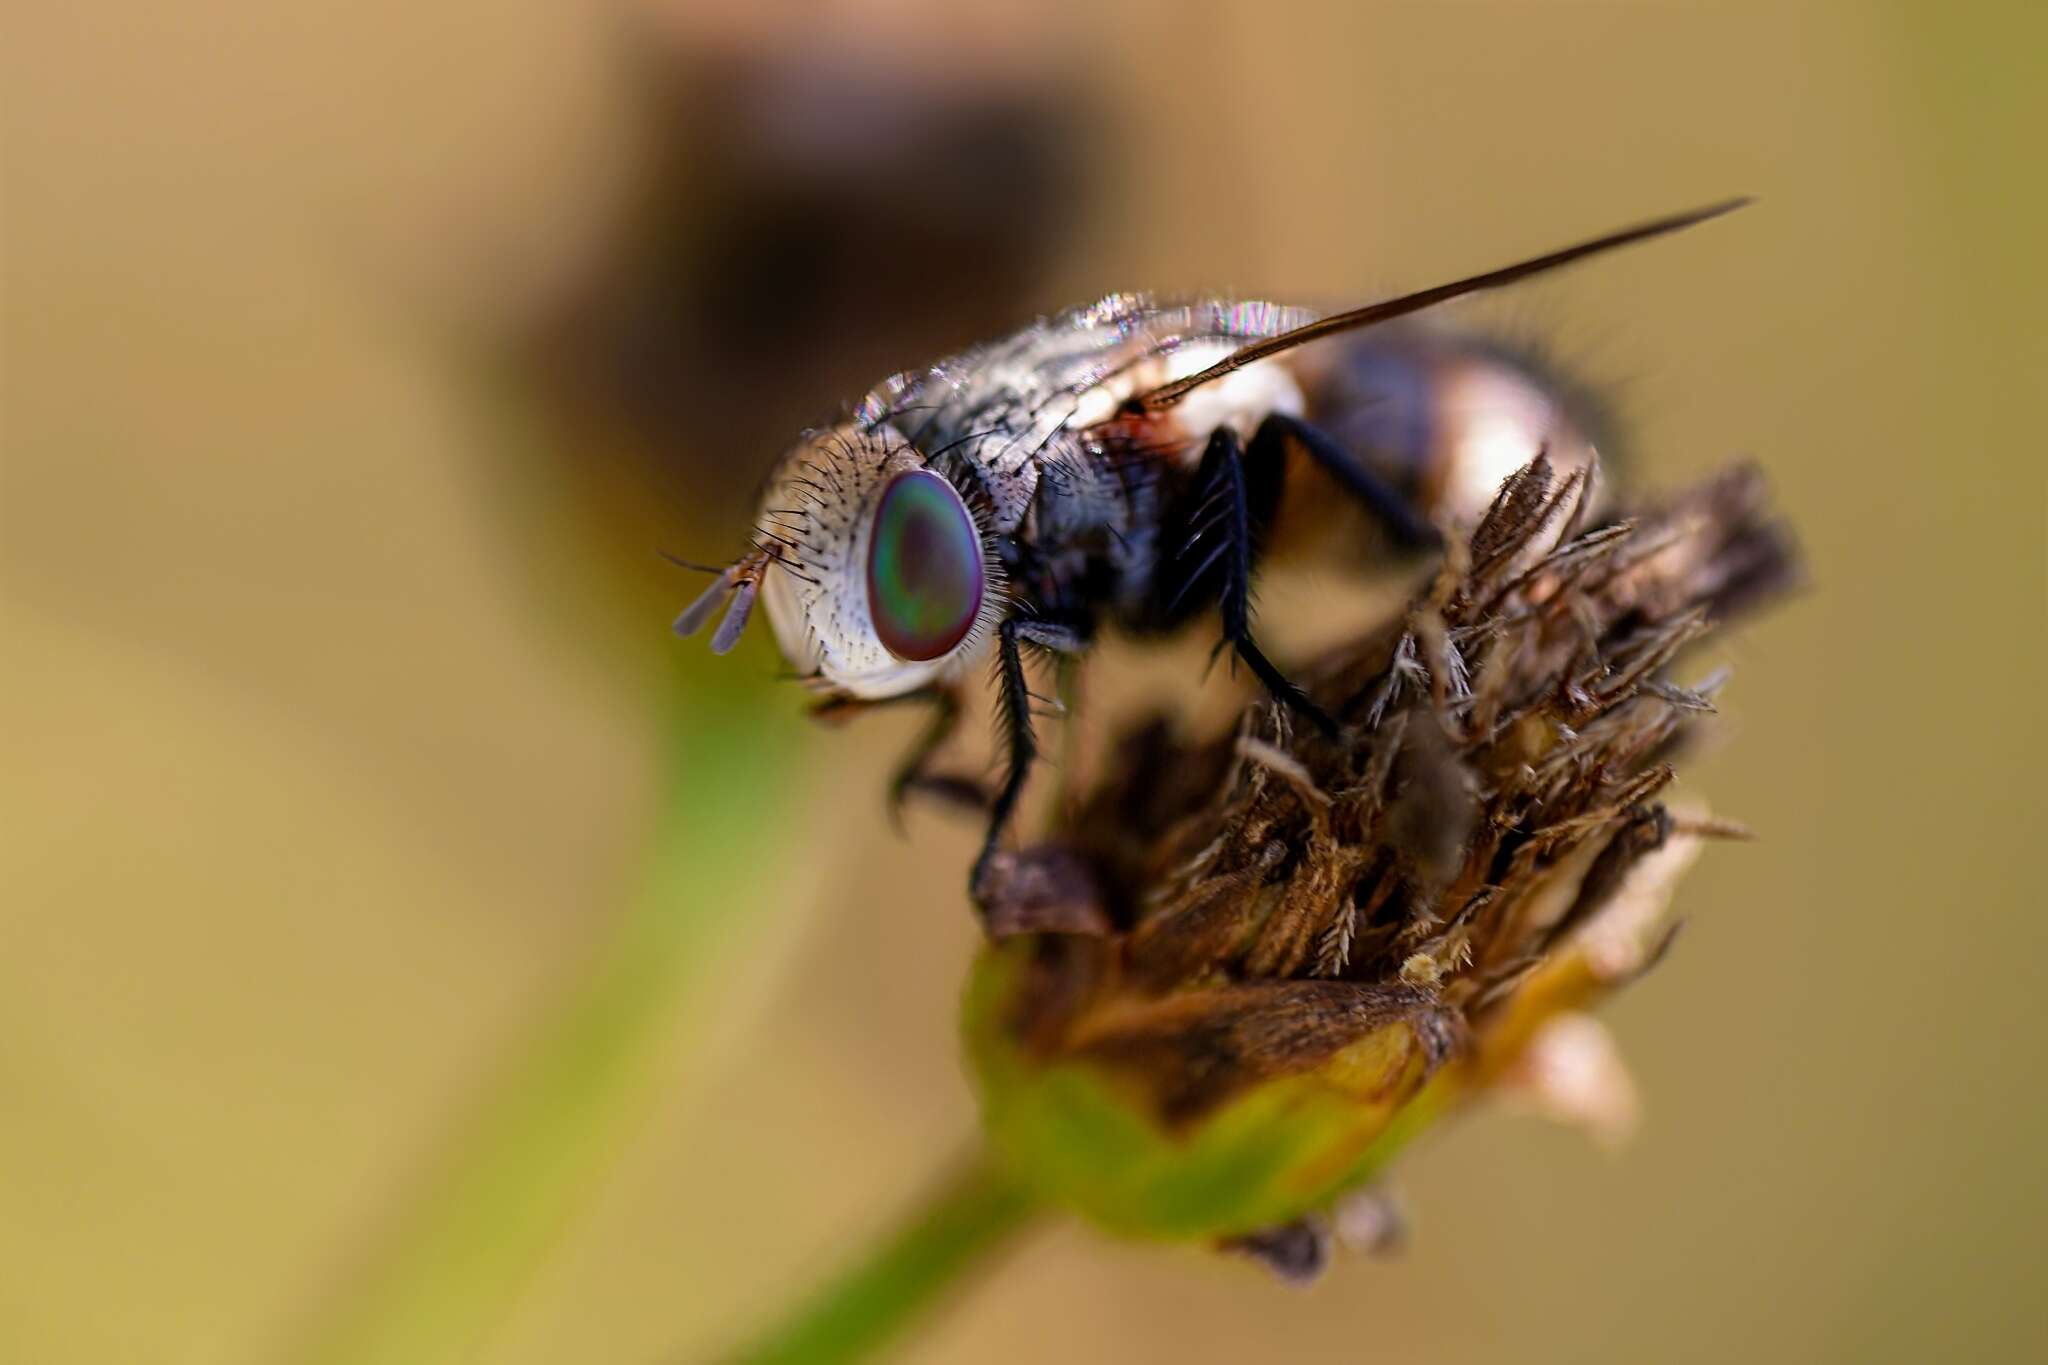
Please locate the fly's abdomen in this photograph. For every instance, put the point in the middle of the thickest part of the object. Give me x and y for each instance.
(1445, 416)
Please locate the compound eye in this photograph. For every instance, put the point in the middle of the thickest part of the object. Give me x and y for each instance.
(925, 575)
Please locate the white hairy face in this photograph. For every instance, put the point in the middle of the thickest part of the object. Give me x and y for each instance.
(882, 580)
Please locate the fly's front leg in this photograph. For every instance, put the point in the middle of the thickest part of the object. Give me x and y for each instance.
(1394, 509)
(1020, 740)
(913, 773)
(1021, 747)
(1224, 462)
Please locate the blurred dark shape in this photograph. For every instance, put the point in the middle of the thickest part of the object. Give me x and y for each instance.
(810, 223)
(1297, 1252)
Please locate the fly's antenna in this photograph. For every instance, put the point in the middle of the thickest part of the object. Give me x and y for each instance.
(692, 565)
(1166, 395)
(741, 580)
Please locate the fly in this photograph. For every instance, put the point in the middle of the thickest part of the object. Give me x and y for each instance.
(1121, 464)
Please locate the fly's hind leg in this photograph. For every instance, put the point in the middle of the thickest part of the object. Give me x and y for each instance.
(1394, 509)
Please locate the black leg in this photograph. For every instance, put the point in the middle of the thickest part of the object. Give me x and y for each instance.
(1014, 699)
(1393, 508)
(1224, 461)
(913, 774)
(1197, 531)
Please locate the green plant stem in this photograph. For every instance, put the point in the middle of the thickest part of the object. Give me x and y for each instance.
(960, 1225)
(565, 1104)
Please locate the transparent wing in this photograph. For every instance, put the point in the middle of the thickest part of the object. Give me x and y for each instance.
(1003, 408)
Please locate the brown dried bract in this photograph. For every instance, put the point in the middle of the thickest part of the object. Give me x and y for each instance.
(1262, 899)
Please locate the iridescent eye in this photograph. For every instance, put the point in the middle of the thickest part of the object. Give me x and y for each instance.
(925, 577)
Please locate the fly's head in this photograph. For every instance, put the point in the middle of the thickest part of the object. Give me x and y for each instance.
(878, 575)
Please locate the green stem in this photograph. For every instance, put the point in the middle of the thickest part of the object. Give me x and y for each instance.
(964, 1221)
(566, 1103)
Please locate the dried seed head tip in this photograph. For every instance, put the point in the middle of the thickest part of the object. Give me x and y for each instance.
(1254, 963)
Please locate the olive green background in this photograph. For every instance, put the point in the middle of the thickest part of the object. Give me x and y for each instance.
(332, 751)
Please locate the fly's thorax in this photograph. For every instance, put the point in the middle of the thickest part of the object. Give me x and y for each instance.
(881, 579)
(1015, 444)
(1239, 400)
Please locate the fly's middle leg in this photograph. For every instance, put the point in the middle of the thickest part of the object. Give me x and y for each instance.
(1212, 533)
(1223, 468)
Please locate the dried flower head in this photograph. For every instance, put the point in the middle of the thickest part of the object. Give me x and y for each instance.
(1256, 963)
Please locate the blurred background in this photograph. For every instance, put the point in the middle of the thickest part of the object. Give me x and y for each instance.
(409, 952)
